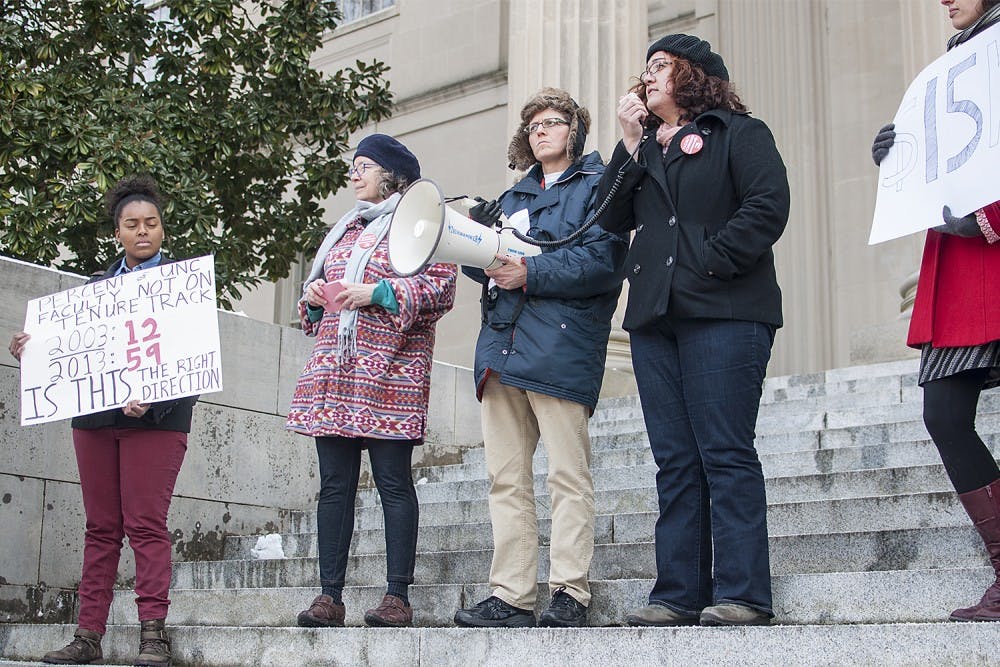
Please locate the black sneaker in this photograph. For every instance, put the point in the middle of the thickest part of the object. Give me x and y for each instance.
(494, 613)
(564, 612)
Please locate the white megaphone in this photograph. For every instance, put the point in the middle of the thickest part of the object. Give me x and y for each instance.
(424, 229)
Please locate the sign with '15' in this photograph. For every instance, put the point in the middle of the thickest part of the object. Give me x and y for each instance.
(947, 148)
(147, 336)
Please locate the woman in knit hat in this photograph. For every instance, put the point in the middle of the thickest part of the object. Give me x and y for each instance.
(539, 366)
(954, 324)
(367, 383)
(703, 186)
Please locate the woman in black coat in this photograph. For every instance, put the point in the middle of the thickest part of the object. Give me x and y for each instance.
(704, 188)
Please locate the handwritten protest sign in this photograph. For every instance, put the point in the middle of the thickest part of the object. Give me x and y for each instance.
(151, 335)
(947, 148)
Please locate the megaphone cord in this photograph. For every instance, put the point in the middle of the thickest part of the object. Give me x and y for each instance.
(594, 218)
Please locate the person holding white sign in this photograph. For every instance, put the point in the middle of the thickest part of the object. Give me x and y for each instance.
(367, 383)
(128, 460)
(956, 325)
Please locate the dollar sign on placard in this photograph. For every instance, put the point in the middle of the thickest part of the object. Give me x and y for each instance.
(904, 152)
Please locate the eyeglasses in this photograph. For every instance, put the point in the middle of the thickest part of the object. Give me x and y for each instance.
(548, 124)
(359, 169)
(655, 67)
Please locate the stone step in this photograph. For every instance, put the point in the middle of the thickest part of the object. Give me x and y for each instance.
(784, 497)
(804, 420)
(896, 644)
(828, 598)
(849, 396)
(916, 548)
(779, 464)
(846, 484)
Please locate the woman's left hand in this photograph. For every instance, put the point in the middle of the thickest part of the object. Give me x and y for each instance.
(355, 296)
(135, 409)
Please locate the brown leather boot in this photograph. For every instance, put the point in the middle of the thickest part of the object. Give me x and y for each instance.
(85, 648)
(154, 644)
(983, 507)
(323, 613)
(392, 613)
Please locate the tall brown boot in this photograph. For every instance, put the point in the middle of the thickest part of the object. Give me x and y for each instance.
(983, 507)
(154, 644)
(85, 648)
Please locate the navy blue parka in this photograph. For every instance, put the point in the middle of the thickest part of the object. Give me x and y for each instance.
(557, 343)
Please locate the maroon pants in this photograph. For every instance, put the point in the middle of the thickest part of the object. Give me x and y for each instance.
(127, 477)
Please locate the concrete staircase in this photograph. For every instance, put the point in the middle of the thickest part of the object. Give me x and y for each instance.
(870, 550)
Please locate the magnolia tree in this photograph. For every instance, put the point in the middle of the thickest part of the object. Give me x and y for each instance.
(215, 98)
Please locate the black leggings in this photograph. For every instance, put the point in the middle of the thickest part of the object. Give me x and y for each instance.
(339, 469)
(950, 417)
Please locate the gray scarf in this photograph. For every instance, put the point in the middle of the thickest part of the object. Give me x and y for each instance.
(378, 217)
(991, 16)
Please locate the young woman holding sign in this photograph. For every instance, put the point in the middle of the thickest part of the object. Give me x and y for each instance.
(367, 383)
(956, 325)
(128, 460)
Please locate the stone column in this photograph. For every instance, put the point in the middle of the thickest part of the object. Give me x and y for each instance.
(593, 49)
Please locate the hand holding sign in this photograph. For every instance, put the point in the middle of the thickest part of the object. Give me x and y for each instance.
(947, 144)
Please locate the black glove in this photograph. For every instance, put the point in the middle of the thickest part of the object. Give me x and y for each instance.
(884, 140)
(967, 226)
(486, 213)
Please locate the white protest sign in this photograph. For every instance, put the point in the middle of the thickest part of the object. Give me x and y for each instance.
(947, 148)
(151, 335)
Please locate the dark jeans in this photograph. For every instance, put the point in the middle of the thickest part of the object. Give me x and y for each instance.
(339, 468)
(950, 417)
(700, 384)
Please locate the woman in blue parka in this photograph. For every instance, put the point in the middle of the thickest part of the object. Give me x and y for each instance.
(539, 366)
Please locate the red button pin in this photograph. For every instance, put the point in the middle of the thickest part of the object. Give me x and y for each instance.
(692, 144)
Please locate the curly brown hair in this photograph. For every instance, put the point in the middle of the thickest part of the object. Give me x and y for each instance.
(137, 187)
(695, 92)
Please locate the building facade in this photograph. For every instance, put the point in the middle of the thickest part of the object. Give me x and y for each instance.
(823, 74)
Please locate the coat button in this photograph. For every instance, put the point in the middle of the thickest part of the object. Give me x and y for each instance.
(636, 269)
(672, 221)
(562, 326)
(639, 228)
(670, 260)
(503, 352)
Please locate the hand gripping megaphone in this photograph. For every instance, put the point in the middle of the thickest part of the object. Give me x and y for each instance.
(424, 229)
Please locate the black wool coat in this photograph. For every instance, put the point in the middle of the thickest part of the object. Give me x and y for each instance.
(704, 222)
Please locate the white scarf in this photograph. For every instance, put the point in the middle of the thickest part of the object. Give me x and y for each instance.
(378, 217)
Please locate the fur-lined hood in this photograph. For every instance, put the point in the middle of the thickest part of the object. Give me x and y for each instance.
(519, 152)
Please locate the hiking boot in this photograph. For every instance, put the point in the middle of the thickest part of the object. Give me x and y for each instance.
(392, 613)
(658, 615)
(495, 613)
(323, 613)
(85, 648)
(734, 614)
(563, 612)
(154, 644)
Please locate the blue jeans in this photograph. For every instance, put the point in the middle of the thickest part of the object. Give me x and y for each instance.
(700, 385)
(339, 469)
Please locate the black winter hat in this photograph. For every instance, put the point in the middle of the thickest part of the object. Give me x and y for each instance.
(689, 47)
(390, 155)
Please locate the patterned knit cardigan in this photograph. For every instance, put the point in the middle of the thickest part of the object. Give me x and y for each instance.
(383, 391)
